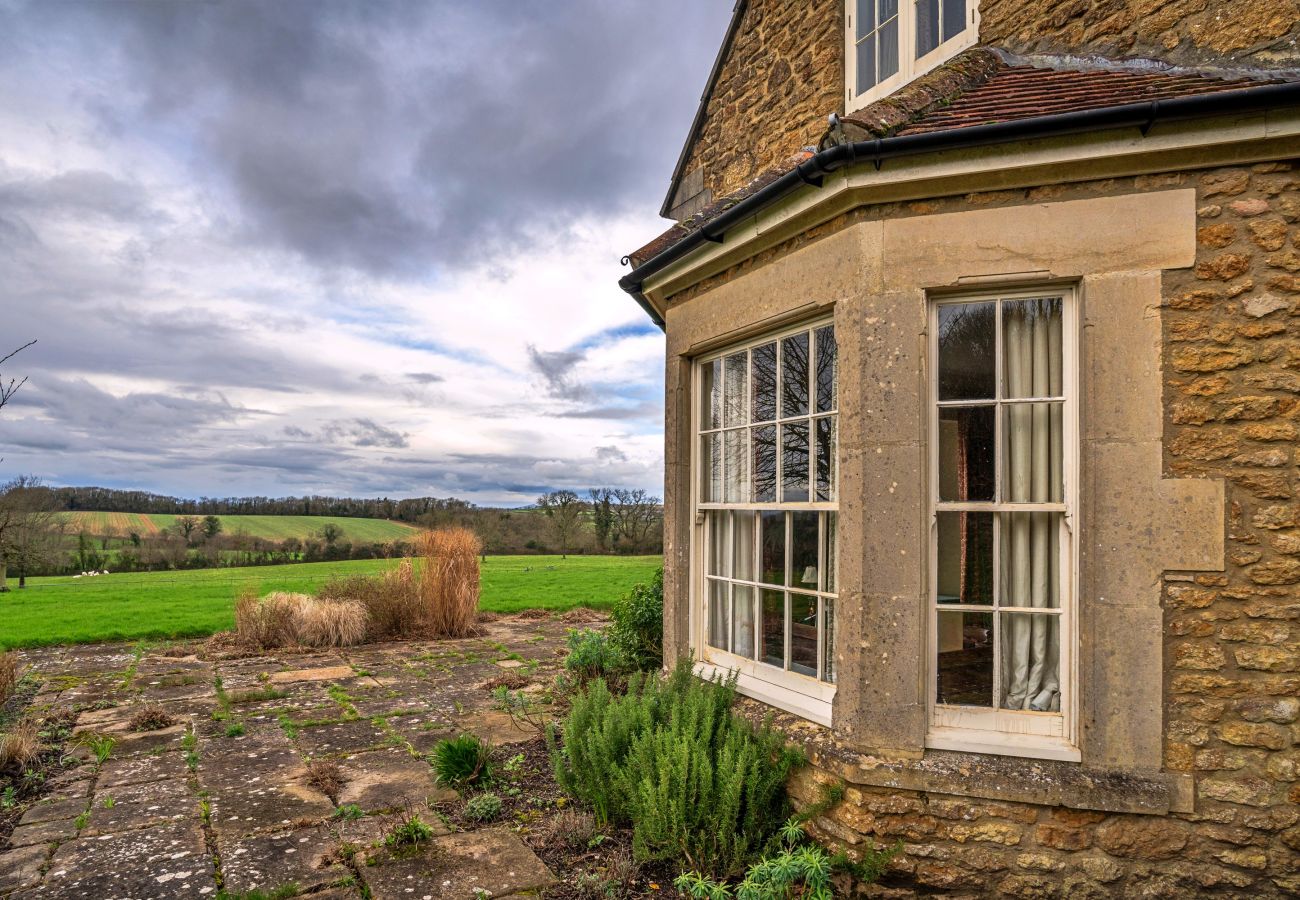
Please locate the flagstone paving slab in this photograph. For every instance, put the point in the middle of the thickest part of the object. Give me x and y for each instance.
(132, 806)
(344, 737)
(382, 780)
(490, 860)
(21, 867)
(163, 862)
(326, 673)
(141, 768)
(268, 861)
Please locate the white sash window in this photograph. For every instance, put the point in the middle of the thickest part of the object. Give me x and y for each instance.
(890, 42)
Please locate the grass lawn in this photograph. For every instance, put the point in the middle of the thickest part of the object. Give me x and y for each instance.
(274, 528)
(199, 602)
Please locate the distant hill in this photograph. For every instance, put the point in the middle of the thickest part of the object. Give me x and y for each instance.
(275, 528)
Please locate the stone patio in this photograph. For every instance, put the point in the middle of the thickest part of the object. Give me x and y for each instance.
(222, 799)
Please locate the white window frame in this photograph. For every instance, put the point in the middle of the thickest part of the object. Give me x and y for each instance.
(1000, 731)
(909, 68)
(804, 695)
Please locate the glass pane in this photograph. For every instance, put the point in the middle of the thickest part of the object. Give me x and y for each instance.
(711, 414)
(742, 546)
(1030, 559)
(794, 462)
(1032, 453)
(794, 375)
(1031, 655)
(764, 439)
(736, 489)
(773, 625)
(711, 453)
(965, 651)
(927, 26)
(827, 373)
(719, 524)
(718, 631)
(742, 611)
(803, 634)
(866, 64)
(1031, 348)
(954, 18)
(773, 547)
(866, 17)
(965, 558)
(763, 407)
(967, 368)
(825, 450)
(803, 550)
(828, 641)
(832, 550)
(966, 453)
(888, 47)
(734, 390)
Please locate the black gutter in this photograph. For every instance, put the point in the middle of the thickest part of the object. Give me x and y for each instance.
(811, 171)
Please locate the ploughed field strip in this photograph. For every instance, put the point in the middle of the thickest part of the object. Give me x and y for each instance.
(226, 797)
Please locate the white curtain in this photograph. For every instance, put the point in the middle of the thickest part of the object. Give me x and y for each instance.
(743, 596)
(1030, 540)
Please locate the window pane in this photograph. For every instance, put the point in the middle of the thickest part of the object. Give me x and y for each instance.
(773, 624)
(1030, 559)
(733, 411)
(927, 26)
(718, 631)
(742, 611)
(866, 17)
(965, 670)
(954, 18)
(827, 370)
(763, 407)
(711, 414)
(803, 550)
(825, 450)
(828, 640)
(719, 524)
(764, 446)
(888, 47)
(1031, 348)
(794, 375)
(965, 558)
(1032, 453)
(966, 453)
(794, 462)
(866, 64)
(966, 351)
(832, 551)
(742, 546)
(711, 467)
(773, 547)
(1031, 652)
(736, 489)
(803, 634)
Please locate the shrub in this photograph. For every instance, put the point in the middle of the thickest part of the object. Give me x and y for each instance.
(461, 761)
(483, 807)
(267, 622)
(331, 623)
(637, 626)
(20, 745)
(695, 782)
(593, 655)
(151, 718)
(8, 675)
(449, 580)
(573, 829)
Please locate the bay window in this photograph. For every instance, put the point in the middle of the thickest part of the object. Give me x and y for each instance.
(890, 42)
(1002, 483)
(766, 508)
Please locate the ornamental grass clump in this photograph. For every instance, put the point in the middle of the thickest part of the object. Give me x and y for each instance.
(462, 761)
(391, 599)
(8, 675)
(449, 580)
(264, 623)
(331, 623)
(697, 784)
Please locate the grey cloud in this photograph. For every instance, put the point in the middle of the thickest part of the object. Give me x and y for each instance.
(424, 377)
(556, 368)
(364, 433)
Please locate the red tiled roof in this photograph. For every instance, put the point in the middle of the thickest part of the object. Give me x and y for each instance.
(1021, 92)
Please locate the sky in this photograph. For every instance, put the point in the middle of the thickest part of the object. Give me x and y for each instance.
(358, 249)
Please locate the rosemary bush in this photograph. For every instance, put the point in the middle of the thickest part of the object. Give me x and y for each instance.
(695, 782)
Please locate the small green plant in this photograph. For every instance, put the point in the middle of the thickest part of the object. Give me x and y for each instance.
(205, 809)
(235, 729)
(8, 798)
(288, 726)
(192, 760)
(101, 745)
(523, 710)
(409, 832)
(483, 807)
(108, 802)
(283, 892)
(349, 812)
(636, 627)
(462, 761)
(591, 655)
(82, 820)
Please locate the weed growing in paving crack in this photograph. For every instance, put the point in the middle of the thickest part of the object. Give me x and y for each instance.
(235, 729)
(407, 834)
(461, 761)
(205, 810)
(326, 776)
(82, 820)
(283, 892)
(483, 807)
(152, 718)
(108, 802)
(349, 812)
(102, 746)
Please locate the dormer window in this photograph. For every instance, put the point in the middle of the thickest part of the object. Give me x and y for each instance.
(891, 42)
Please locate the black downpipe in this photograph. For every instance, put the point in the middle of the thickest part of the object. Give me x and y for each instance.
(812, 171)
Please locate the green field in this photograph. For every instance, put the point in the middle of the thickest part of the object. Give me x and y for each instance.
(274, 528)
(198, 602)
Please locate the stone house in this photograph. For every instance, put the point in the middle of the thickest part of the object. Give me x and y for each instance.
(983, 395)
